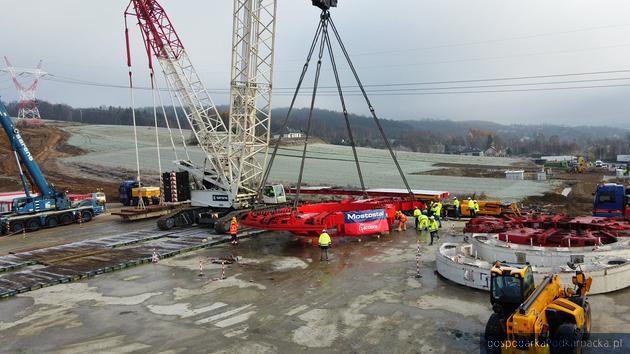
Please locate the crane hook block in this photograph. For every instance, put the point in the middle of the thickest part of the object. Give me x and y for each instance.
(325, 4)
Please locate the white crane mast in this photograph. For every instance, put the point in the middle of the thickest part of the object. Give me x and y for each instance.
(253, 44)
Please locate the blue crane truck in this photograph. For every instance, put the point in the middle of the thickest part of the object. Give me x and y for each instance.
(49, 208)
(611, 200)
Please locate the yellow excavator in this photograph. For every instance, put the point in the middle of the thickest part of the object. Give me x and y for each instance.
(543, 319)
(579, 165)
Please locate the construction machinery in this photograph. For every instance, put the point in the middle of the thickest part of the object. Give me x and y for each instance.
(536, 319)
(487, 207)
(577, 165)
(230, 175)
(130, 192)
(47, 208)
(231, 180)
(611, 200)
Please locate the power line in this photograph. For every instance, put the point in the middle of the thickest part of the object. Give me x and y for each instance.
(463, 44)
(487, 91)
(402, 92)
(494, 79)
(68, 80)
(497, 85)
(494, 58)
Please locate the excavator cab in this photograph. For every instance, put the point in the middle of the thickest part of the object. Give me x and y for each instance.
(510, 285)
(546, 318)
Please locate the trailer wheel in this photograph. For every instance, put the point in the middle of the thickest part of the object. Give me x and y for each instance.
(566, 339)
(52, 221)
(33, 225)
(66, 219)
(494, 334)
(17, 227)
(86, 216)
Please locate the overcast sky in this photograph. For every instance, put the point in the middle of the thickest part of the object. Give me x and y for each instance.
(392, 42)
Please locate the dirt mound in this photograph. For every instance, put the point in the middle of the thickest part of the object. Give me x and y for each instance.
(468, 172)
(47, 144)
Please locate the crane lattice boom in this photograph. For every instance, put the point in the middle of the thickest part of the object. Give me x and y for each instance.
(233, 152)
(161, 39)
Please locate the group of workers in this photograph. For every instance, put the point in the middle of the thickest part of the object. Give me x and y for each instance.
(425, 220)
(431, 219)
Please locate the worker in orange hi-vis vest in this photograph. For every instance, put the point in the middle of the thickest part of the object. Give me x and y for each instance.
(402, 221)
(234, 230)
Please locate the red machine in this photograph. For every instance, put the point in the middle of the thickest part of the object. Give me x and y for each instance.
(349, 217)
(552, 230)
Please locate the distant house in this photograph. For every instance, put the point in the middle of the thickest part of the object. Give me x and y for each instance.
(437, 149)
(491, 151)
(290, 135)
(294, 135)
(471, 152)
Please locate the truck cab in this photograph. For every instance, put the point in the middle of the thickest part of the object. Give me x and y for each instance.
(611, 200)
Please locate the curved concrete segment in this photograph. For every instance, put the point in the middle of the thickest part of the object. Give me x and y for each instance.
(457, 262)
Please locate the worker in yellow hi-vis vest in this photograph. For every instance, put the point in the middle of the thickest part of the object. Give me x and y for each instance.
(456, 205)
(471, 207)
(423, 226)
(416, 215)
(324, 244)
(433, 229)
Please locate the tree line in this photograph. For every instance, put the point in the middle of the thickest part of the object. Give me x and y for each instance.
(424, 135)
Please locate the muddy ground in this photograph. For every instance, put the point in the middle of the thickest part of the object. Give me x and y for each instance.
(468, 170)
(580, 199)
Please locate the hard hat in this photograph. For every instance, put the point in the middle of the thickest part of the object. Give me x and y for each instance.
(454, 197)
(469, 198)
(324, 230)
(432, 217)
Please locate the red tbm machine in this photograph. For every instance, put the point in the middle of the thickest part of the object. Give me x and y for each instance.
(552, 230)
(349, 217)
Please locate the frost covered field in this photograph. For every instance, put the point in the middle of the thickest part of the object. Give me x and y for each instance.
(112, 147)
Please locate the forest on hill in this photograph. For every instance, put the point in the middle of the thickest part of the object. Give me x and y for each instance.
(423, 135)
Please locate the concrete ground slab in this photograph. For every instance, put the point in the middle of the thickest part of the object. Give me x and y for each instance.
(279, 299)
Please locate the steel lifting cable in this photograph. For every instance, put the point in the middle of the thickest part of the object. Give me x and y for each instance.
(345, 112)
(157, 134)
(372, 111)
(168, 126)
(325, 18)
(133, 111)
(286, 119)
(179, 126)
